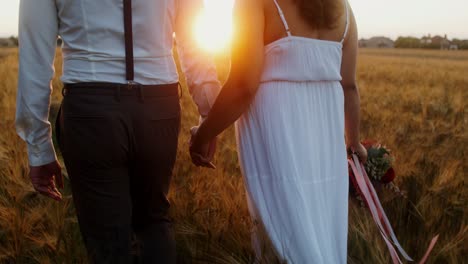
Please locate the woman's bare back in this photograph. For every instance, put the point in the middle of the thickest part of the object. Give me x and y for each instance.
(274, 28)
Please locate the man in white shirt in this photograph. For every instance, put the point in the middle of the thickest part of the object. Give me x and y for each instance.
(120, 116)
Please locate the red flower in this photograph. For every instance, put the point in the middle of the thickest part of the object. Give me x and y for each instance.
(388, 177)
(379, 162)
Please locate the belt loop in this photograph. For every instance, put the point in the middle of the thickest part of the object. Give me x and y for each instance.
(64, 91)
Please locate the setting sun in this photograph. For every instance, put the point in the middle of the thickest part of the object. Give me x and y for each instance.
(213, 28)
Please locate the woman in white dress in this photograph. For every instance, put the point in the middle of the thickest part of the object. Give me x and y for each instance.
(292, 84)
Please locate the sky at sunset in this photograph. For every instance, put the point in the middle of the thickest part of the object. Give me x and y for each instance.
(375, 17)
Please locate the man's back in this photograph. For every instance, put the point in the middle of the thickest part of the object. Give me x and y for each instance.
(93, 37)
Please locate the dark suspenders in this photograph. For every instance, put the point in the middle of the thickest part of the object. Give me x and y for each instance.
(129, 64)
(129, 60)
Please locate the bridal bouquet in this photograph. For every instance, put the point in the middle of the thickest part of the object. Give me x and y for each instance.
(379, 162)
(379, 168)
(368, 177)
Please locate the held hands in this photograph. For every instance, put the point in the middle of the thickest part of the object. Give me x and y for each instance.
(202, 153)
(44, 179)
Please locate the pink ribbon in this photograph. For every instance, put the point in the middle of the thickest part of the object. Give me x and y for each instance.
(369, 195)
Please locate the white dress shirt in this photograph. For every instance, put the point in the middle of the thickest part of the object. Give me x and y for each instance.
(93, 51)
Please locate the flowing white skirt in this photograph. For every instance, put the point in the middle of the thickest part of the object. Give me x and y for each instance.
(293, 157)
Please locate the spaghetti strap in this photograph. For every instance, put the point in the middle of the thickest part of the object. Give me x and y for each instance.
(285, 23)
(347, 21)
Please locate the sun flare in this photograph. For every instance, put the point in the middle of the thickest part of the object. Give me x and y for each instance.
(213, 28)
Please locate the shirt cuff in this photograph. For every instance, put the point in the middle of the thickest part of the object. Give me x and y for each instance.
(41, 154)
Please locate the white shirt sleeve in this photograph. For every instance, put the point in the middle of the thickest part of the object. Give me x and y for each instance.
(38, 30)
(197, 64)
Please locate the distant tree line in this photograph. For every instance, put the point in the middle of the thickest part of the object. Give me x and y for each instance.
(14, 40)
(9, 42)
(436, 42)
(461, 43)
(408, 42)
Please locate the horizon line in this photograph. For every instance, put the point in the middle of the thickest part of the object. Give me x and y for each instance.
(363, 36)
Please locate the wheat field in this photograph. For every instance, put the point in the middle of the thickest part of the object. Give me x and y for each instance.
(413, 101)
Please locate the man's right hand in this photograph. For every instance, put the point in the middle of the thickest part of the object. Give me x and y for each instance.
(44, 179)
